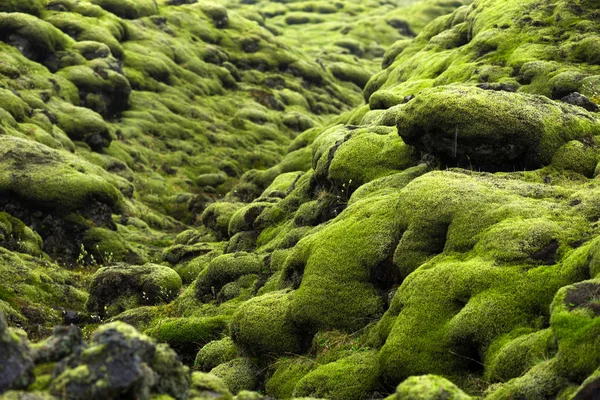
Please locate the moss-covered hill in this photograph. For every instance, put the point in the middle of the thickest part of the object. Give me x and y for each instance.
(299, 199)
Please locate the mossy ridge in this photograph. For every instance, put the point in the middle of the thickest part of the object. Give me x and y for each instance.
(357, 33)
(476, 259)
(90, 65)
(507, 47)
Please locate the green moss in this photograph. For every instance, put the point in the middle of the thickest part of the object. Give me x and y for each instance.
(105, 246)
(32, 288)
(248, 395)
(350, 73)
(139, 317)
(218, 215)
(34, 7)
(540, 382)
(118, 288)
(428, 387)
(573, 322)
(189, 270)
(472, 307)
(82, 124)
(513, 355)
(213, 179)
(288, 371)
(352, 377)
(101, 89)
(51, 178)
(14, 105)
(366, 155)
(16, 236)
(297, 121)
(128, 9)
(475, 132)
(215, 353)
(262, 326)
(187, 335)
(35, 38)
(217, 13)
(204, 385)
(172, 374)
(227, 268)
(337, 289)
(238, 374)
(578, 157)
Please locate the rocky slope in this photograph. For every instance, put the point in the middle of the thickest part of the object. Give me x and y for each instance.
(341, 200)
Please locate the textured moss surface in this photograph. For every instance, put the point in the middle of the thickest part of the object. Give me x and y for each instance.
(343, 200)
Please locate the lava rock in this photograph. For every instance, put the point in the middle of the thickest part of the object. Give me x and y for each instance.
(16, 364)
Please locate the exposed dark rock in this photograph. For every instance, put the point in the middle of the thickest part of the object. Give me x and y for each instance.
(16, 364)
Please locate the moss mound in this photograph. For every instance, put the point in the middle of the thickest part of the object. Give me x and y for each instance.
(491, 130)
(118, 288)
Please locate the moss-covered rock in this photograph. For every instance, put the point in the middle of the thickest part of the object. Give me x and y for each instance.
(287, 373)
(16, 371)
(118, 361)
(490, 130)
(16, 236)
(48, 178)
(352, 377)
(117, 288)
(218, 215)
(129, 9)
(33, 37)
(215, 353)
(238, 374)
(224, 269)
(203, 385)
(428, 387)
(262, 326)
(65, 340)
(188, 335)
(34, 291)
(34, 7)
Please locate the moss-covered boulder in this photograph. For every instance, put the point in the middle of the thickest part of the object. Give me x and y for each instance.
(16, 236)
(128, 9)
(238, 374)
(225, 269)
(117, 288)
(36, 39)
(491, 130)
(188, 335)
(50, 179)
(352, 377)
(215, 353)
(262, 326)
(203, 385)
(120, 362)
(34, 7)
(65, 340)
(16, 364)
(428, 387)
(287, 373)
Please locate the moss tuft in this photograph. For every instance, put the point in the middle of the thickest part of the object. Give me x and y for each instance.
(428, 387)
(215, 353)
(238, 374)
(352, 377)
(262, 326)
